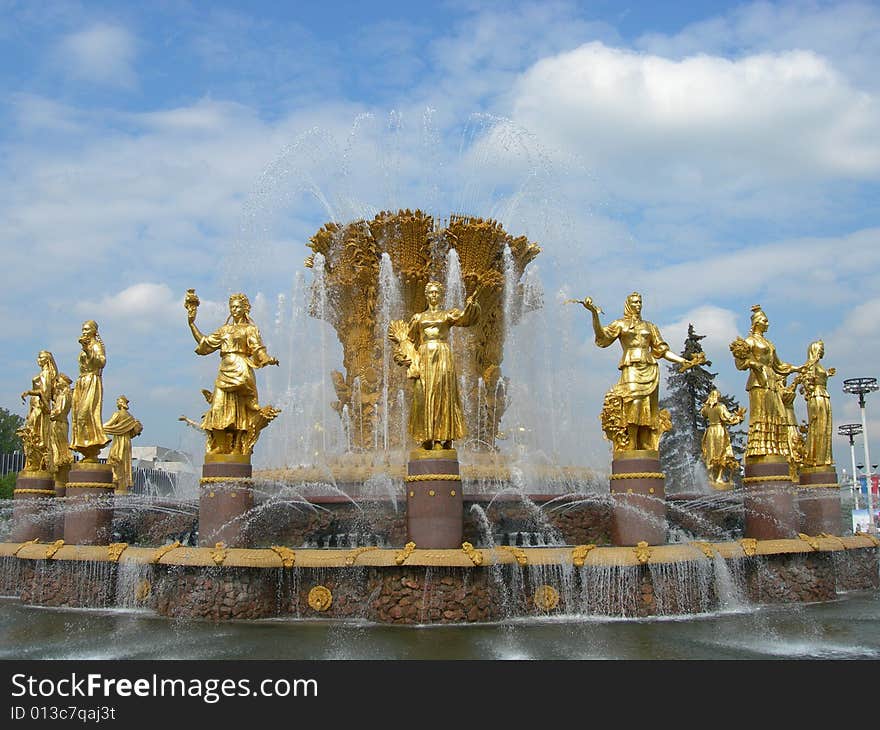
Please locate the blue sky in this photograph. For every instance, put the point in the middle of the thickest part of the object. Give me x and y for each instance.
(711, 155)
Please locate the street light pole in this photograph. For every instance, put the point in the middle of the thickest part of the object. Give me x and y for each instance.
(851, 430)
(859, 387)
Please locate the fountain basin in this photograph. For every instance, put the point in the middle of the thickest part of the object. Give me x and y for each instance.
(413, 586)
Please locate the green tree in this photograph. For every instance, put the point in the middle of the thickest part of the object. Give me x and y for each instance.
(681, 447)
(9, 424)
(7, 485)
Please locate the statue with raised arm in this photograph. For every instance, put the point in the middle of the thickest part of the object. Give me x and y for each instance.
(436, 417)
(631, 416)
(813, 379)
(36, 433)
(234, 418)
(717, 450)
(123, 427)
(88, 395)
(769, 427)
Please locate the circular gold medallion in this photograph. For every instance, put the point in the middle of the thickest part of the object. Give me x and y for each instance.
(546, 597)
(320, 598)
(143, 590)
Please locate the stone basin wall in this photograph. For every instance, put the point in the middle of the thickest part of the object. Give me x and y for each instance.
(423, 594)
(380, 520)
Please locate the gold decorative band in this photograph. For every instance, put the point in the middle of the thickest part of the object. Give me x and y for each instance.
(433, 478)
(636, 454)
(89, 485)
(758, 480)
(834, 485)
(220, 480)
(34, 491)
(640, 475)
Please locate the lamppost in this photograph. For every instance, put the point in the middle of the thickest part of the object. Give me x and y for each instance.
(851, 430)
(860, 387)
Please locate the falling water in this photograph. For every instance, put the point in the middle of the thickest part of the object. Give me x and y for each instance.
(510, 282)
(389, 305)
(455, 289)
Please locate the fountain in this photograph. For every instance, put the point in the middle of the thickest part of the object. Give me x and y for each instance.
(343, 521)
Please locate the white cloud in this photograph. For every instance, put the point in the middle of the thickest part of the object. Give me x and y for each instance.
(847, 33)
(704, 125)
(102, 54)
(716, 324)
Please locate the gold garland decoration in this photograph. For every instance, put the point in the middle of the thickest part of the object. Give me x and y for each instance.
(579, 554)
(828, 536)
(475, 555)
(54, 548)
(320, 598)
(25, 544)
(749, 546)
(115, 550)
(288, 557)
(811, 541)
(872, 538)
(157, 556)
(639, 475)
(642, 551)
(221, 480)
(352, 558)
(706, 547)
(760, 480)
(518, 553)
(34, 491)
(433, 478)
(219, 553)
(401, 557)
(89, 485)
(546, 597)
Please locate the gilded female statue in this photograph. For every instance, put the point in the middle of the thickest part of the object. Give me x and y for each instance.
(234, 418)
(717, 450)
(436, 418)
(62, 457)
(631, 416)
(38, 423)
(768, 422)
(814, 387)
(88, 394)
(123, 427)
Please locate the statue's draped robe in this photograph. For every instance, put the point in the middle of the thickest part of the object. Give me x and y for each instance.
(436, 414)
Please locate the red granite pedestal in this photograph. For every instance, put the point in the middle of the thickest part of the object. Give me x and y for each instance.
(769, 499)
(434, 506)
(638, 491)
(225, 499)
(88, 504)
(819, 501)
(60, 486)
(32, 507)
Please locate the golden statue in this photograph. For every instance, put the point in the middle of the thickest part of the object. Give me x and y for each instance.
(36, 433)
(717, 449)
(88, 395)
(436, 418)
(234, 419)
(62, 398)
(814, 387)
(768, 421)
(631, 417)
(123, 427)
(796, 443)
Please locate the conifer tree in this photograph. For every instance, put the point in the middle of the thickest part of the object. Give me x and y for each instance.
(681, 447)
